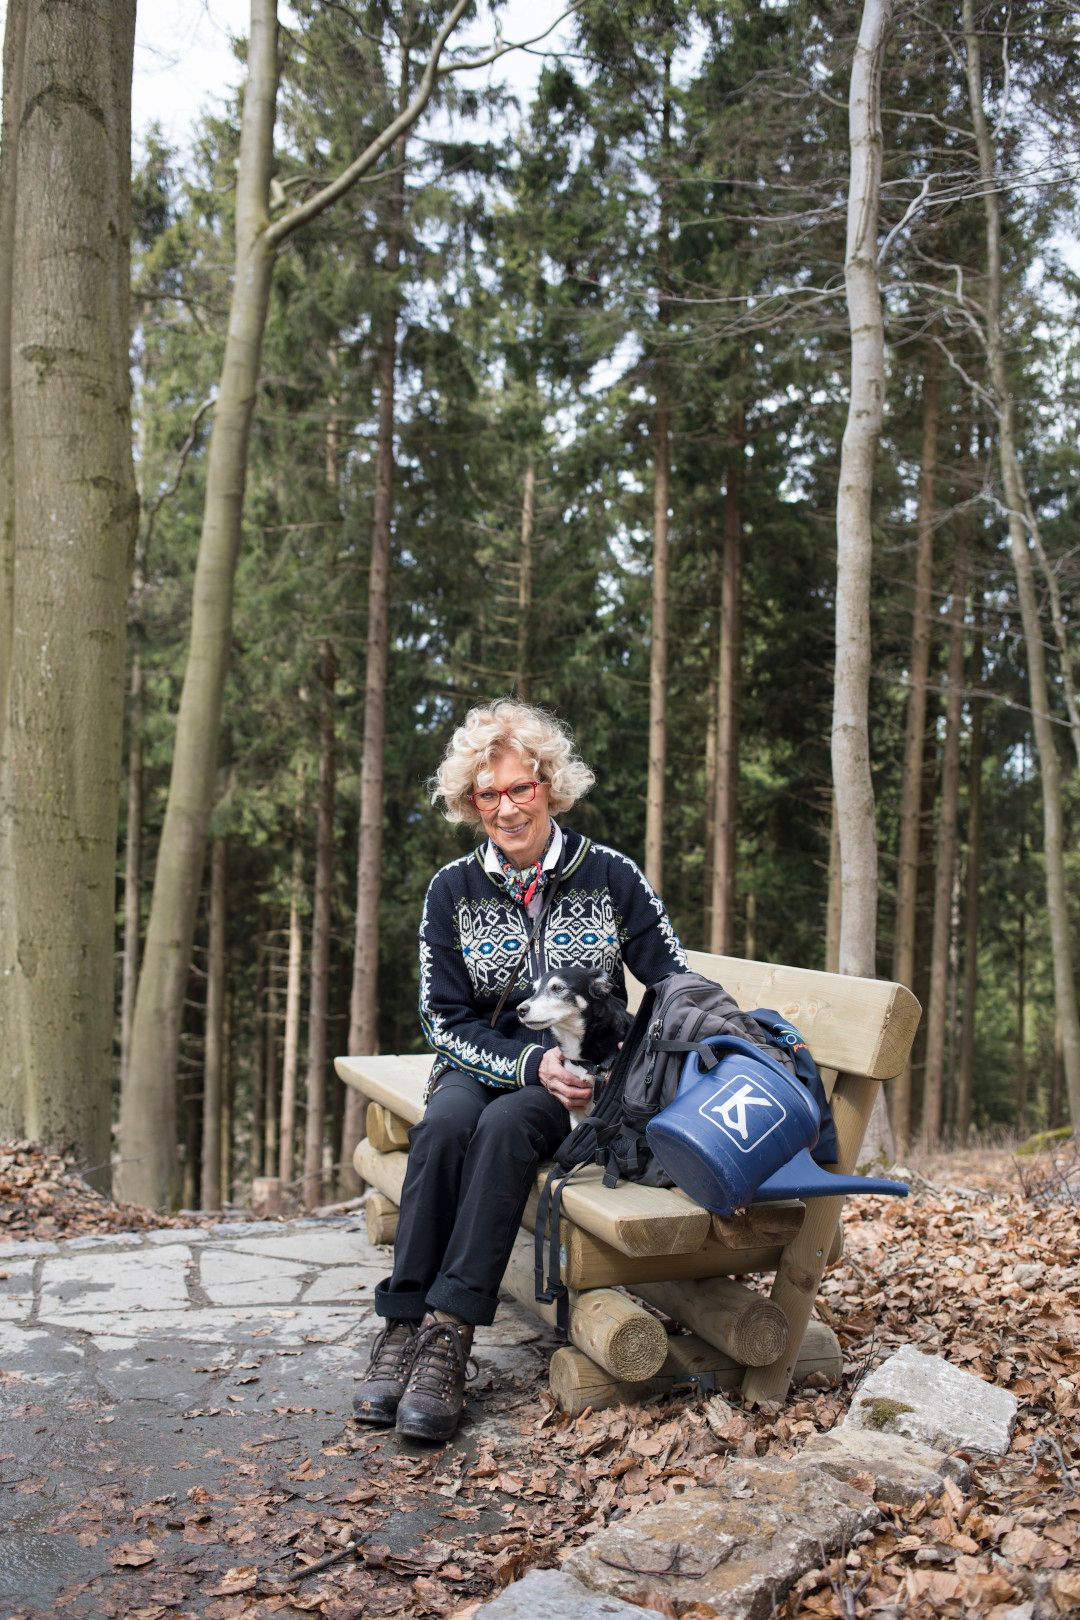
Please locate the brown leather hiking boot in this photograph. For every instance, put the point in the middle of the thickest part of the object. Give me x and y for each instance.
(376, 1399)
(431, 1405)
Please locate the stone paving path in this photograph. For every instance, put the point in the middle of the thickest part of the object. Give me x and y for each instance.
(134, 1364)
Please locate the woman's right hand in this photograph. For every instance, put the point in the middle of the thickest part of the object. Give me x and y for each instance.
(565, 1086)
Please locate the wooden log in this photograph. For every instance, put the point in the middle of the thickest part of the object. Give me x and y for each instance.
(727, 1314)
(397, 1081)
(760, 1226)
(386, 1131)
(384, 1171)
(578, 1383)
(380, 1218)
(611, 1329)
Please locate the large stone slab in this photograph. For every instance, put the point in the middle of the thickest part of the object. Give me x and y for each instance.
(219, 1325)
(552, 1594)
(16, 1290)
(901, 1470)
(740, 1547)
(927, 1399)
(238, 1277)
(78, 1284)
(340, 1246)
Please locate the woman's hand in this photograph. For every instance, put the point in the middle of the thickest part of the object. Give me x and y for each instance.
(565, 1086)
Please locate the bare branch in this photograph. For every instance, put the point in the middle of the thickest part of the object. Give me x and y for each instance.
(501, 46)
(170, 490)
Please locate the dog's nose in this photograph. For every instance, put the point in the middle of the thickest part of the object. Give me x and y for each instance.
(523, 1009)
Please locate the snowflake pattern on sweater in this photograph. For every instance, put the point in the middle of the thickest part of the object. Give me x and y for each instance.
(471, 934)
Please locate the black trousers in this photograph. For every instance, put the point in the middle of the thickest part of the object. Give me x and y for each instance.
(472, 1161)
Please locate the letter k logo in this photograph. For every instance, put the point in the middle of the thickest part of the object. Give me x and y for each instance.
(733, 1112)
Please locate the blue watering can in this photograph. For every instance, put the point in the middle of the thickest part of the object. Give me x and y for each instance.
(741, 1131)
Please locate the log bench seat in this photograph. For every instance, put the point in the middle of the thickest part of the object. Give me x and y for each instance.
(660, 1245)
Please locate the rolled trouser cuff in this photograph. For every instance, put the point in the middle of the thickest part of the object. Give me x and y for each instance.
(406, 1305)
(447, 1295)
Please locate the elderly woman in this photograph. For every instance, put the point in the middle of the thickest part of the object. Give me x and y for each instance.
(499, 1096)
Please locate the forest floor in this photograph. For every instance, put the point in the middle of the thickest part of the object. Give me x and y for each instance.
(175, 1440)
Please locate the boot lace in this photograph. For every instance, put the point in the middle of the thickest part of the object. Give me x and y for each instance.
(392, 1351)
(439, 1361)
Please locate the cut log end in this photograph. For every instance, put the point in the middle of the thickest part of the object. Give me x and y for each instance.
(380, 1218)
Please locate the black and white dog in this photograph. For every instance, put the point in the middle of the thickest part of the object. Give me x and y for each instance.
(588, 1022)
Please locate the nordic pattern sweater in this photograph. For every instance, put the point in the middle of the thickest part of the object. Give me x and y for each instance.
(604, 913)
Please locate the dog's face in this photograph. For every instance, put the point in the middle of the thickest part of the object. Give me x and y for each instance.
(561, 1000)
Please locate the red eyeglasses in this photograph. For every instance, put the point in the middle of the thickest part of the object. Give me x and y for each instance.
(488, 799)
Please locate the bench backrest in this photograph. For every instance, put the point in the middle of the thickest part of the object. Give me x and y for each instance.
(857, 1026)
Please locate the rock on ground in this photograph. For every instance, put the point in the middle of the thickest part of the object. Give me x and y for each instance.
(551, 1594)
(934, 1403)
(902, 1471)
(740, 1547)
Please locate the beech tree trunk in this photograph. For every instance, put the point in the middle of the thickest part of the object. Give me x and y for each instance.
(68, 512)
(907, 871)
(722, 930)
(132, 867)
(1065, 999)
(148, 1119)
(945, 865)
(214, 1059)
(364, 1001)
(851, 728)
(972, 875)
(270, 1136)
(658, 645)
(320, 935)
(259, 1064)
(850, 731)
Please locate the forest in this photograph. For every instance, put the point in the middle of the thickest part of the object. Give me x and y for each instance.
(412, 393)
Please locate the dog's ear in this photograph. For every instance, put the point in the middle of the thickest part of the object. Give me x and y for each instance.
(601, 985)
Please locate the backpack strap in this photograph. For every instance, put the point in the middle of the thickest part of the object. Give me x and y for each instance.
(706, 1051)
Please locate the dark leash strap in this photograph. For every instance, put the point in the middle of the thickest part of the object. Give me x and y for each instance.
(523, 957)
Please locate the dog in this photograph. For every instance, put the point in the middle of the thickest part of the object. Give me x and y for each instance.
(588, 1021)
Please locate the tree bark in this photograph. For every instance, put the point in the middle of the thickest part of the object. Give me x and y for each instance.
(259, 1063)
(907, 871)
(523, 678)
(214, 1058)
(270, 1138)
(67, 527)
(658, 644)
(972, 874)
(945, 865)
(832, 901)
(850, 732)
(14, 67)
(364, 1005)
(722, 928)
(320, 935)
(1065, 1000)
(290, 1059)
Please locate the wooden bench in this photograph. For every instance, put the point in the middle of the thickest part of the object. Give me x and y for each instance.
(659, 1244)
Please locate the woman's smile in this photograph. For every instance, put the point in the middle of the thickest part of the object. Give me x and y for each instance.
(520, 830)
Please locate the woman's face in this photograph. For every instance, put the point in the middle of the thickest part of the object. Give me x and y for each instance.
(520, 830)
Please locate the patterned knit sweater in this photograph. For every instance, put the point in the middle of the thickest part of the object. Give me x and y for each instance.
(604, 914)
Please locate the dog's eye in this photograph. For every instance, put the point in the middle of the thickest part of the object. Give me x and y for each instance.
(556, 987)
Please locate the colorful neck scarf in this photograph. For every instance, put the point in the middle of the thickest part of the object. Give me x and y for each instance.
(525, 883)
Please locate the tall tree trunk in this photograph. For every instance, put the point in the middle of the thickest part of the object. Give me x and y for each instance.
(850, 732)
(320, 934)
(972, 876)
(213, 1064)
(148, 1115)
(270, 1139)
(523, 678)
(832, 902)
(132, 866)
(1020, 1080)
(14, 67)
(228, 1076)
(1065, 999)
(290, 1057)
(259, 1063)
(658, 644)
(945, 866)
(907, 871)
(148, 1126)
(851, 729)
(68, 512)
(722, 931)
(364, 1002)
